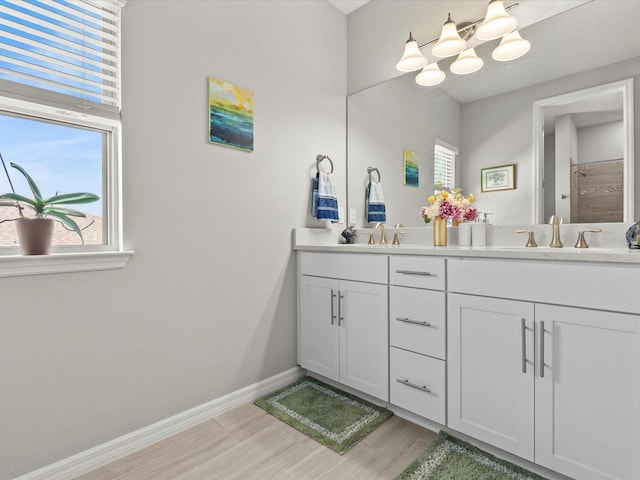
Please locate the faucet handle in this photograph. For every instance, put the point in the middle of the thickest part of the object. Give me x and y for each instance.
(582, 243)
(532, 239)
(371, 240)
(396, 240)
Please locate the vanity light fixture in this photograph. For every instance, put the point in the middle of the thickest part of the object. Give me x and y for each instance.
(497, 22)
(453, 41)
(430, 76)
(450, 42)
(511, 46)
(412, 58)
(467, 62)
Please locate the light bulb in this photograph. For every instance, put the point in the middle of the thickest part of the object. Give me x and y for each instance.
(450, 42)
(511, 47)
(430, 75)
(467, 62)
(412, 58)
(497, 22)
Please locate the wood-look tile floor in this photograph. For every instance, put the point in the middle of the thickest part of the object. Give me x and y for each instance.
(248, 443)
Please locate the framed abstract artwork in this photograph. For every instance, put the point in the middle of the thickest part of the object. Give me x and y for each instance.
(230, 115)
(411, 168)
(494, 179)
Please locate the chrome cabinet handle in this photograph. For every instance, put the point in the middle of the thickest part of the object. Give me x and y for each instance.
(415, 272)
(542, 349)
(333, 313)
(414, 322)
(340, 315)
(409, 384)
(524, 344)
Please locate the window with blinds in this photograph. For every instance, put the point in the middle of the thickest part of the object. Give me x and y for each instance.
(69, 47)
(60, 113)
(444, 166)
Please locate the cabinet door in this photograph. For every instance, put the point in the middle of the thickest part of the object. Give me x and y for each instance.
(319, 332)
(588, 393)
(364, 339)
(490, 371)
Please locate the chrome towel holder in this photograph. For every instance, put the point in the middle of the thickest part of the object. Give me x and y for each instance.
(370, 170)
(319, 160)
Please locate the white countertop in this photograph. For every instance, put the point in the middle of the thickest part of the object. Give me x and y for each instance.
(303, 240)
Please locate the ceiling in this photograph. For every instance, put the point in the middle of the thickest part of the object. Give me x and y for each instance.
(347, 6)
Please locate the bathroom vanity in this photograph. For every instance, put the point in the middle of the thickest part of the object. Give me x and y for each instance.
(535, 352)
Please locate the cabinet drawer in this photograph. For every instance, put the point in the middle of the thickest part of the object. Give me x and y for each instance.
(419, 272)
(349, 266)
(417, 320)
(418, 384)
(603, 287)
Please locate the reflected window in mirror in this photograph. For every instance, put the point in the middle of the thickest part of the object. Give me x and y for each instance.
(444, 165)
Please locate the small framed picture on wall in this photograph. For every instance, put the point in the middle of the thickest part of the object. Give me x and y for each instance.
(494, 179)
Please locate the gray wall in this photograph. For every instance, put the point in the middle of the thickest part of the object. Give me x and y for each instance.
(206, 306)
(599, 143)
(499, 130)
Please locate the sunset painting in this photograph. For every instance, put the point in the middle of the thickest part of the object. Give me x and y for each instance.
(411, 168)
(230, 115)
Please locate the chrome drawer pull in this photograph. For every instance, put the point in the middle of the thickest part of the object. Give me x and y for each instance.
(415, 272)
(409, 384)
(333, 314)
(415, 322)
(542, 349)
(523, 334)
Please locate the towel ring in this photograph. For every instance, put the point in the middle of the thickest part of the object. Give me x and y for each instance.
(319, 159)
(370, 170)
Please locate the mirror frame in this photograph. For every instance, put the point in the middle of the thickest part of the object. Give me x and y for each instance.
(625, 87)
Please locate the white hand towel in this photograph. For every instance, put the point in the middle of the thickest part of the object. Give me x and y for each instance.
(374, 203)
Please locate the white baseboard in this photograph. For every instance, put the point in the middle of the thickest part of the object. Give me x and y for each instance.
(96, 457)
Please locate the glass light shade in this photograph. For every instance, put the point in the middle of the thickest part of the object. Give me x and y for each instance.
(497, 22)
(412, 58)
(467, 62)
(511, 47)
(430, 75)
(450, 42)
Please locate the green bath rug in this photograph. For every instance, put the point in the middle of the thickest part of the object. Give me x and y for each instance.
(326, 414)
(448, 458)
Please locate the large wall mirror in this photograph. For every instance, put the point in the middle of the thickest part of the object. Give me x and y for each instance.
(489, 117)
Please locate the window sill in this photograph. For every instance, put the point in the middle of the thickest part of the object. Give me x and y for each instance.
(17, 265)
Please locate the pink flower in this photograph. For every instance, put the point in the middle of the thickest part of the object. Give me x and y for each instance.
(446, 210)
(471, 214)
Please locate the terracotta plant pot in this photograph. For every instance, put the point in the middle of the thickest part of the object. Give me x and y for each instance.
(35, 235)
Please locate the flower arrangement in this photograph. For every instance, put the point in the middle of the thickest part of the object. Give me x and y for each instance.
(451, 205)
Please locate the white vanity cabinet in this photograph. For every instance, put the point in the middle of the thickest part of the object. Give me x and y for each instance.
(417, 326)
(544, 362)
(342, 319)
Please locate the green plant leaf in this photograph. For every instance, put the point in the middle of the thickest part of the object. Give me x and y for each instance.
(32, 185)
(62, 218)
(69, 198)
(20, 198)
(64, 211)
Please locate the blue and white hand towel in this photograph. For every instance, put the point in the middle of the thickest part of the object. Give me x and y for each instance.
(374, 203)
(324, 205)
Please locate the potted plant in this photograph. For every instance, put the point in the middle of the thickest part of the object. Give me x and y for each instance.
(35, 235)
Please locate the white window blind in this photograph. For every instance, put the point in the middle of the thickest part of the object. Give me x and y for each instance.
(71, 47)
(444, 166)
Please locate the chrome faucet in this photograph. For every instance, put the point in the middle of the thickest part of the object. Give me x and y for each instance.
(383, 233)
(555, 225)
